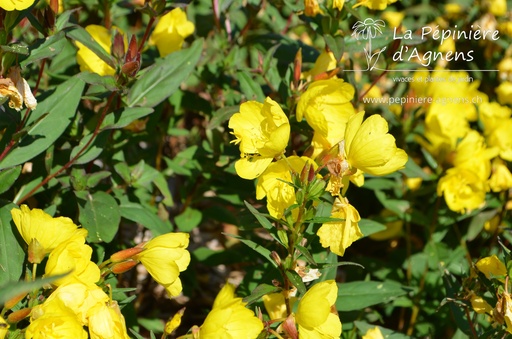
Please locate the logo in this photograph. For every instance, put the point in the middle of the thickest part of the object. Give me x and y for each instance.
(367, 30)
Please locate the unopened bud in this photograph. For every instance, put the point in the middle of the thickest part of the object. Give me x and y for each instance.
(54, 5)
(122, 267)
(326, 75)
(19, 315)
(126, 254)
(175, 322)
(304, 173)
(118, 46)
(133, 50)
(36, 252)
(275, 256)
(50, 17)
(14, 301)
(297, 68)
(130, 68)
(290, 328)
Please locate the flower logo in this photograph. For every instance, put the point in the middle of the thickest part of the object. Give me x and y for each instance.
(367, 30)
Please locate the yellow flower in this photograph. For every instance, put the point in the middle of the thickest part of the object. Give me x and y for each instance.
(501, 178)
(374, 4)
(394, 19)
(262, 130)
(496, 7)
(4, 328)
(72, 256)
(370, 148)
(501, 138)
(491, 267)
(79, 298)
(275, 305)
(471, 153)
(325, 62)
(311, 8)
(49, 232)
(107, 322)
(479, 304)
(393, 228)
(492, 115)
(463, 190)
(170, 32)
(338, 235)
(87, 59)
(504, 93)
(54, 321)
(327, 109)
(338, 4)
(280, 195)
(19, 5)
(229, 318)
(373, 333)
(507, 303)
(165, 257)
(314, 315)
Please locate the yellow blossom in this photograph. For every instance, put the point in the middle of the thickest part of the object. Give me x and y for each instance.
(491, 267)
(311, 8)
(463, 189)
(479, 305)
(54, 321)
(496, 7)
(471, 153)
(325, 62)
(374, 4)
(275, 305)
(373, 333)
(504, 92)
(49, 232)
(501, 178)
(171, 31)
(338, 4)
(314, 315)
(492, 114)
(501, 138)
(165, 257)
(273, 184)
(73, 256)
(338, 235)
(4, 328)
(87, 59)
(492, 225)
(262, 130)
(394, 19)
(18, 5)
(505, 69)
(370, 148)
(229, 318)
(107, 322)
(79, 298)
(507, 303)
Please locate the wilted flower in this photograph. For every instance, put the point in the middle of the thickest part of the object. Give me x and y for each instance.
(463, 189)
(165, 257)
(170, 32)
(73, 257)
(370, 148)
(229, 318)
(87, 59)
(54, 321)
(18, 5)
(338, 235)
(16, 89)
(273, 184)
(491, 267)
(262, 130)
(314, 315)
(107, 322)
(49, 232)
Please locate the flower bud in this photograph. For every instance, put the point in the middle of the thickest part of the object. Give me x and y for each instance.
(126, 254)
(118, 46)
(19, 315)
(130, 68)
(276, 258)
(36, 252)
(122, 267)
(290, 328)
(54, 5)
(14, 301)
(297, 68)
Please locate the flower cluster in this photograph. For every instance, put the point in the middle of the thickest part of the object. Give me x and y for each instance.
(77, 299)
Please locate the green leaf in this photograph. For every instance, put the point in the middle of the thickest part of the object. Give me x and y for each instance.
(256, 247)
(164, 77)
(188, 220)
(124, 116)
(368, 227)
(8, 177)
(108, 82)
(296, 280)
(453, 288)
(93, 179)
(304, 251)
(59, 109)
(261, 217)
(13, 288)
(141, 215)
(79, 34)
(12, 255)
(260, 291)
(99, 214)
(49, 47)
(93, 150)
(356, 295)
(477, 223)
(249, 87)
(336, 45)
(221, 115)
